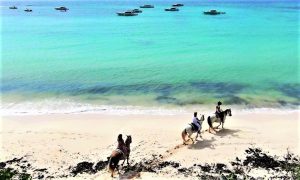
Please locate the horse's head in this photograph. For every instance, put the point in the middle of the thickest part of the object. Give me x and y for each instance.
(202, 117)
(128, 140)
(228, 112)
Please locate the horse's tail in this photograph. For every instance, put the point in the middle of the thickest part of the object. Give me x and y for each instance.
(209, 121)
(114, 161)
(110, 165)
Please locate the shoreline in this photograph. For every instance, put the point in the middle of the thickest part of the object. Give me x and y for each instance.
(85, 108)
(59, 141)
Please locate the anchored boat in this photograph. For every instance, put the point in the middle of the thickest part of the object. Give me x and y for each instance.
(28, 10)
(213, 12)
(177, 5)
(13, 7)
(172, 9)
(137, 11)
(147, 6)
(127, 13)
(61, 8)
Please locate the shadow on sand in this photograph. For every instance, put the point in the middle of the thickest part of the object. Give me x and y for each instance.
(228, 132)
(208, 143)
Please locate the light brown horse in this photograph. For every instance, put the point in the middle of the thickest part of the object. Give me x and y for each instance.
(118, 155)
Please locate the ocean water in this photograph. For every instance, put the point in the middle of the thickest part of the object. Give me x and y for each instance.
(90, 57)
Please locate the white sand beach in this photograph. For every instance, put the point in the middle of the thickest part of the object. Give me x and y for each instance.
(58, 141)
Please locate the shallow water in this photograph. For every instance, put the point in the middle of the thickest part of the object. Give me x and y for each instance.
(248, 56)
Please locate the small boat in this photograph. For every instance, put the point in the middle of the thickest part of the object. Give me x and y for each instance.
(61, 8)
(28, 10)
(127, 13)
(172, 9)
(213, 12)
(13, 7)
(137, 11)
(147, 6)
(177, 5)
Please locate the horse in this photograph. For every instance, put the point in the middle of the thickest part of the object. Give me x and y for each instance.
(189, 131)
(212, 119)
(118, 155)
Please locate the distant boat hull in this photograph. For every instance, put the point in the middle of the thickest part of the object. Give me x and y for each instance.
(147, 6)
(171, 9)
(213, 12)
(137, 11)
(126, 14)
(177, 5)
(61, 8)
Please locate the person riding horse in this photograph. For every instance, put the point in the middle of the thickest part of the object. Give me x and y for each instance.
(218, 111)
(121, 144)
(195, 123)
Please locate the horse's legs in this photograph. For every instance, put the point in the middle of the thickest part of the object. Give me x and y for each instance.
(112, 172)
(219, 125)
(127, 160)
(183, 134)
(210, 129)
(190, 138)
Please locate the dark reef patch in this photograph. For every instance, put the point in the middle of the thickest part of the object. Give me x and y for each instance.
(291, 90)
(166, 100)
(235, 100)
(218, 87)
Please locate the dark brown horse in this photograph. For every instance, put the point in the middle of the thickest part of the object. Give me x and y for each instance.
(118, 155)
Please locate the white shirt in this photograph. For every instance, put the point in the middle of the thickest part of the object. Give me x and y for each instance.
(195, 121)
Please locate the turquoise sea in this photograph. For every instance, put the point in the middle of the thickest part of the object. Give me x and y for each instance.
(88, 55)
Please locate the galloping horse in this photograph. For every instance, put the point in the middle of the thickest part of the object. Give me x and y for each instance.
(189, 130)
(212, 119)
(118, 155)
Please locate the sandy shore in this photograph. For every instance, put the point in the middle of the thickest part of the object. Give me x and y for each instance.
(56, 142)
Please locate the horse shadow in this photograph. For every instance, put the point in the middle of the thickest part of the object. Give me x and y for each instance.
(203, 144)
(228, 132)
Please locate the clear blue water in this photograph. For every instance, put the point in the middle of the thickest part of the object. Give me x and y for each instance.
(248, 56)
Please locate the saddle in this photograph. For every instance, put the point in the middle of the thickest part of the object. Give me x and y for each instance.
(124, 153)
(194, 127)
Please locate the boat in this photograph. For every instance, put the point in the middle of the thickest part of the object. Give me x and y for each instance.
(28, 10)
(147, 6)
(137, 11)
(13, 7)
(127, 13)
(213, 12)
(172, 9)
(61, 8)
(177, 5)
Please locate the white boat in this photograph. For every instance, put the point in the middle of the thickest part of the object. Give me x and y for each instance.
(137, 11)
(177, 5)
(61, 8)
(147, 6)
(13, 7)
(213, 12)
(127, 13)
(28, 10)
(172, 9)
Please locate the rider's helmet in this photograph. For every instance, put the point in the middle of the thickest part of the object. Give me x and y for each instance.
(219, 103)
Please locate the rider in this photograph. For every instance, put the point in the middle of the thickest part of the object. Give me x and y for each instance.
(219, 110)
(121, 144)
(195, 122)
